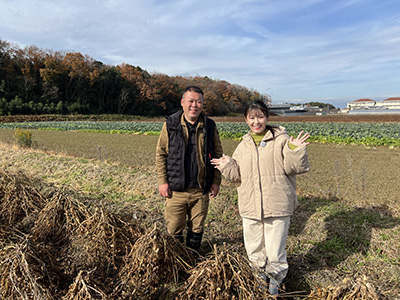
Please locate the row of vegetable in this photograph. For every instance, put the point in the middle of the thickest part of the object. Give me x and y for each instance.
(369, 134)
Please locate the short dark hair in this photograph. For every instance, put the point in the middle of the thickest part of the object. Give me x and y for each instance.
(256, 104)
(194, 89)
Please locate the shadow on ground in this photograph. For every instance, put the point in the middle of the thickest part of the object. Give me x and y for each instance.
(348, 231)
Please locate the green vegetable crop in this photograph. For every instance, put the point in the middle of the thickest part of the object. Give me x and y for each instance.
(369, 134)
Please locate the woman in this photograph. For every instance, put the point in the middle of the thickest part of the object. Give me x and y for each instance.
(266, 163)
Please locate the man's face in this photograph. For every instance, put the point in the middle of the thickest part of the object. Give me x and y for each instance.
(192, 104)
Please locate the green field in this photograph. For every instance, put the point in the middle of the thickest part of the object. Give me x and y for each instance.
(369, 134)
(345, 231)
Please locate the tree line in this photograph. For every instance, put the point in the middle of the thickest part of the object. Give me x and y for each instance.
(37, 81)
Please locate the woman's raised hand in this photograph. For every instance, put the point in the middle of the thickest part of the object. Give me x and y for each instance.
(300, 140)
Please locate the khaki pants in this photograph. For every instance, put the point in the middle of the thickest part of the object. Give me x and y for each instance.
(265, 243)
(188, 207)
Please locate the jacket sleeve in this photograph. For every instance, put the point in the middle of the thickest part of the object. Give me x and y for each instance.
(217, 153)
(231, 170)
(296, 160)
(162, 155)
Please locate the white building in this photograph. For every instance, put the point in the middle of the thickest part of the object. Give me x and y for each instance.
(286, 109)
(389, 105)
(361, 104)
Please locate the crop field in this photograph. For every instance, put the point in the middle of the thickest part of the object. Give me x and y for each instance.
(343, 241)
(369, 134)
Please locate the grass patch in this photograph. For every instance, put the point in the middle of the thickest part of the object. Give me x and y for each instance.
(23, 138)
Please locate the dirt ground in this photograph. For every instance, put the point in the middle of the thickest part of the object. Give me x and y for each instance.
(362, 174)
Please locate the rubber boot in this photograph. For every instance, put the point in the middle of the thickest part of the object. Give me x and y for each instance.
(179, 237)
(193, 240)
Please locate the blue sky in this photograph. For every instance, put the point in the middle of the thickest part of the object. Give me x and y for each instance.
(332, 51)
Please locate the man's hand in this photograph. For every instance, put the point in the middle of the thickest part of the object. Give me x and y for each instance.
(165, 190)
(214, 190)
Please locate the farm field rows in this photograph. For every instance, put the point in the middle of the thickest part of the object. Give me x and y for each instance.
(337, 118)
(369, 134)
(366, 173)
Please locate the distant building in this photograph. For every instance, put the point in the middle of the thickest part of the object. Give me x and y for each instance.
(361, 103)
(286, 109)
(389, 105)
(392, 103)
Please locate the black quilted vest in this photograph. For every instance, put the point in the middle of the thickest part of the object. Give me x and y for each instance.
(176, 156)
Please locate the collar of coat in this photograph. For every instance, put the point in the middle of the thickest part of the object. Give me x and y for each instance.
(278, 130)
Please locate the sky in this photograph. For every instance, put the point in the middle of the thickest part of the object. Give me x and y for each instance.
(296, 51)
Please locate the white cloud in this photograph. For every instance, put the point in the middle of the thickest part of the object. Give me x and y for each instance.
(290, 49)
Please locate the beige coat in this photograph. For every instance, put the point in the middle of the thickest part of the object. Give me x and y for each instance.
(267, 175)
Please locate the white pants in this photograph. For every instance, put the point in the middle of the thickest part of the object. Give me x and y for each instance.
(265, 243)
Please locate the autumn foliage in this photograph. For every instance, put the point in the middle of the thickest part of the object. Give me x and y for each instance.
(34, 81)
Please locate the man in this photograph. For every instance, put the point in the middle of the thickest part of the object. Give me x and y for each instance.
(186, 178)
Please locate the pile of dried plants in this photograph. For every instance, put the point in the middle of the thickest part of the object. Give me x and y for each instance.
(84, 288)
(25, 274)
(224, 276)
(20, 200)
(155, 262)
(58, 247)
(348, 290)
(58, 219)
(100, 243)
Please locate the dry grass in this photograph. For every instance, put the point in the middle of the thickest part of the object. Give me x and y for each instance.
(24, 272)
(83, 288)
(65, 239)
(349, 289)
(81, 223)
(58, 218)
(100, 243)
(19, 200)
(155, 261)
(224, 276)
(72, 251)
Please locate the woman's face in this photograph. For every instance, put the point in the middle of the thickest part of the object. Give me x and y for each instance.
(257, 121)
